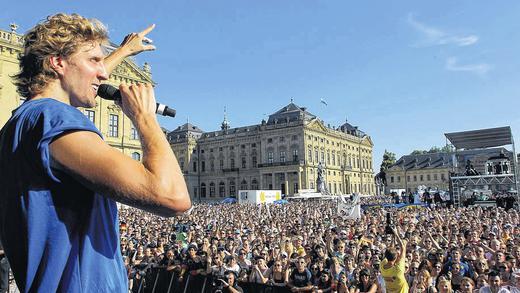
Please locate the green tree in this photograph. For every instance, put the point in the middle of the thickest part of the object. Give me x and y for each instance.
(388, 160)
(447, 149)
(418, 152)
(434, 149)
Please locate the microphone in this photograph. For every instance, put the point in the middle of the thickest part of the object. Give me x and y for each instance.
(109, 92)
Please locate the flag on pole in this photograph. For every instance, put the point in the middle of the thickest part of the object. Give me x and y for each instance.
(323, 101)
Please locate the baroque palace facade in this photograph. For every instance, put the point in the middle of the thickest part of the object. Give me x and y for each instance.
(282, 153)
(116, 128)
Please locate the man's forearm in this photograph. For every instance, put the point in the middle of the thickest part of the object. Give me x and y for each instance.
(159, 160)
(115, 58)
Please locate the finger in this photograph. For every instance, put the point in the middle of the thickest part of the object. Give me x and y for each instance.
(147, 30)
(148, 48)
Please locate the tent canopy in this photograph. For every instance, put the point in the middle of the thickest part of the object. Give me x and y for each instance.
(483, 138)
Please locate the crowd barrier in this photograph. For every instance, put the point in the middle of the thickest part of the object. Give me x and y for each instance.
(162, 281)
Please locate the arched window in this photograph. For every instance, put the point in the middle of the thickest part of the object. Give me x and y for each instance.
(243, 185)
(221, 189)
(254, 184)
(136, 156)
(232, 189)
(203, 190)
(212, 189)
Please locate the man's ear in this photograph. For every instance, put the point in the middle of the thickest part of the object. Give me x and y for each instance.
(57, 63)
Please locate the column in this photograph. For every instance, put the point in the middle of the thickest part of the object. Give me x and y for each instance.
(261, 181)
(299, 179)
(273, 180)
(286, 182)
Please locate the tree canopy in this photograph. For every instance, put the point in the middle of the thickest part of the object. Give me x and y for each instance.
(434, 149)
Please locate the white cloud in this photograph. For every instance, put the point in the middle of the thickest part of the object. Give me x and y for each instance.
(480, 69)
(434, 37)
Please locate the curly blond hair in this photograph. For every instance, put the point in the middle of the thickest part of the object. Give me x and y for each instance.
(59, 35)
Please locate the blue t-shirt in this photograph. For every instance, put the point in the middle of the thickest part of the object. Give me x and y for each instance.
(58, 235)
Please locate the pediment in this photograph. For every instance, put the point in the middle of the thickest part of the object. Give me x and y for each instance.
(316, 124)
(130, 70)
(368, 141)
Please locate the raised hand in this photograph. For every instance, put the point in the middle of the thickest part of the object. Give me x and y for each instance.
(135, 43)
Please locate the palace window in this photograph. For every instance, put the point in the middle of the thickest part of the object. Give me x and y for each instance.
(90, 115)
(203, 190)
(221, 189)
(133, 133)
(232, 190)
(243, 185)
(254, 184)
(270, 157)
(282, 156)
(113, 125)
(212, 189)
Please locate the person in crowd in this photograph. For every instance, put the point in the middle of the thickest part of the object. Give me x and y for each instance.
(277, 275)
(342, 285)
(467, 285)
(324, 285)
(300, 278)
(393, 266)
(259, 272)
(366, 283)
(444, 286)
(229, 284)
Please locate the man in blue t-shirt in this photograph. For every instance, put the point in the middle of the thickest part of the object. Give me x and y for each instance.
(59, 180)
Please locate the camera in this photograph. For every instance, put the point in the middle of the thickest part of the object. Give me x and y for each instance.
(217, 284)
(389, 229)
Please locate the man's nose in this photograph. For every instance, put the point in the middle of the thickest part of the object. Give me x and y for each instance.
(102, 72)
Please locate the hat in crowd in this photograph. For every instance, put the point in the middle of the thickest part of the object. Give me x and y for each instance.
(193, 245)
(231, 272)
(299, 237)
(284, 254)
(259, 257)
(508, 226)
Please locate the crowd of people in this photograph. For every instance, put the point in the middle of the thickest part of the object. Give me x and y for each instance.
(306, 247)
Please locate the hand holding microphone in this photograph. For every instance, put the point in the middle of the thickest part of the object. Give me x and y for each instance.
(109, 92)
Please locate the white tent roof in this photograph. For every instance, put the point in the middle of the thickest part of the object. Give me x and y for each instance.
(482, 138)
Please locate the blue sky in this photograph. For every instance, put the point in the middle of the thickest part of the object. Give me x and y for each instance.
(405, 72)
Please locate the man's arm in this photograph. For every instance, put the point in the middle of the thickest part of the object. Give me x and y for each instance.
(156, 185)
